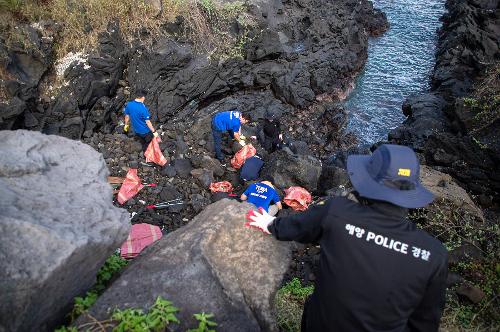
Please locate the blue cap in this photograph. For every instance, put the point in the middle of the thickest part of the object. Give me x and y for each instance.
(390, 174)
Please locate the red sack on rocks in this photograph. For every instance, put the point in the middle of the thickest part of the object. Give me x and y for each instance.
(153, 152)
(130, 186)
(239, 158)
(297, 198)
(221, 187)
(140, 236)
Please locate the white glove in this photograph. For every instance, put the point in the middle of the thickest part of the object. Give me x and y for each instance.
(242, 143)
(259, 220)
(155, 134)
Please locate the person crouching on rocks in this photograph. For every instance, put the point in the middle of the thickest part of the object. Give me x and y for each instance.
(137, 114)
(378, 271)
(229, 121)
(262, 194)
(271, 136)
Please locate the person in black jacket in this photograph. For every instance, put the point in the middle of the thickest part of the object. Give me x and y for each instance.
(270, 136)
(377, 271)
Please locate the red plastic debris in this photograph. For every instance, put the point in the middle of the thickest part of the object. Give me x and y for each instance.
(297, 198)
(239, 158)
(221, 187)
(153, 153)
(140, 236)
(130, 186)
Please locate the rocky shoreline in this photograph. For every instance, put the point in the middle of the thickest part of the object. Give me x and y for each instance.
(298, 67)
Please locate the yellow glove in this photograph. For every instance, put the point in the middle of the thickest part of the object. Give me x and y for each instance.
(126, 127)
(155, 134)
(242, 138)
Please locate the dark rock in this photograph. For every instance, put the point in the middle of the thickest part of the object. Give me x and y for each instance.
(453, 279)
(209, 163)
(182, 167)
(473, 293)
(292, 170)
(169, 171)
(215, 251)
(203, 176)
(48, 245)
(465, 253)
(333, 177)
(300, 148)
(198, 202)
(169, 193)
(181, 146)
(88, 85)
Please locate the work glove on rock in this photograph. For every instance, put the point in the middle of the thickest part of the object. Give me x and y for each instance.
(155, 134)
(259, 220)
(126, 127)
(242, 138)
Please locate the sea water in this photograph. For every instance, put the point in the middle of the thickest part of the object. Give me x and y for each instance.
(399, 64)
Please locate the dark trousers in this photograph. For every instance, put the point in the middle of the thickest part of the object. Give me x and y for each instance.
(271, 144)
(217, 143)
(145, 139)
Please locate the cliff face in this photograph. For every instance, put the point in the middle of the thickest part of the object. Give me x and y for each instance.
(299, 50)
(455, 126)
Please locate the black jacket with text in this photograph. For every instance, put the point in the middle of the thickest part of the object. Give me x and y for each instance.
(378, 271)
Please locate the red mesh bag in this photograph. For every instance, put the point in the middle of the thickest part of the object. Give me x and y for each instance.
(297, 198)
(239, 158)
(153, 152)
(221, 187)
(140, 236)
(130, 187)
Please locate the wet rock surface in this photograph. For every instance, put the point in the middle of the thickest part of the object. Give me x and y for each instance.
(203, 267)
(57, 226)
(437, 125)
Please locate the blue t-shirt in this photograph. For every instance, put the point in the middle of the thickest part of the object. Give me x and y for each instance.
(261, 195)
(138, 113)
(227, 121)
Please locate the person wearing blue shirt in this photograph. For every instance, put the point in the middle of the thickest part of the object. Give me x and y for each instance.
(261, 194)
(229, 121)
(137, 114)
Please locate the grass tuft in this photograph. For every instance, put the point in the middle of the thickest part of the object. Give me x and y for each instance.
(208, 23)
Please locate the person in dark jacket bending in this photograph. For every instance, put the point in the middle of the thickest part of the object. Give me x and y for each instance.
(377, 271)
(271, 136)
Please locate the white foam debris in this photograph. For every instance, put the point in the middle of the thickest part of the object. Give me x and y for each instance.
(37, 26)
(68, 60)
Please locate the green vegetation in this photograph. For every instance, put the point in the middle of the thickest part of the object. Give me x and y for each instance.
(110, 268)
(456, 228)
(484, 102)
(205, 323)
(289, 303)
(161, 314)
(207, 23)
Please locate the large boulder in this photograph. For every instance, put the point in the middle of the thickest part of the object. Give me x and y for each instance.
(57, 226)
(288, 170)
(213, 264)
(450, 198)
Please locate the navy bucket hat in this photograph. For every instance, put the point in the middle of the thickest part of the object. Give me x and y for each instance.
(390, 174)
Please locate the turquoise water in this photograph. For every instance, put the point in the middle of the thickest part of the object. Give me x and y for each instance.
(399, 64)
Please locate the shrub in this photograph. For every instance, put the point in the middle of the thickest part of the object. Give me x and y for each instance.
(289, 304)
